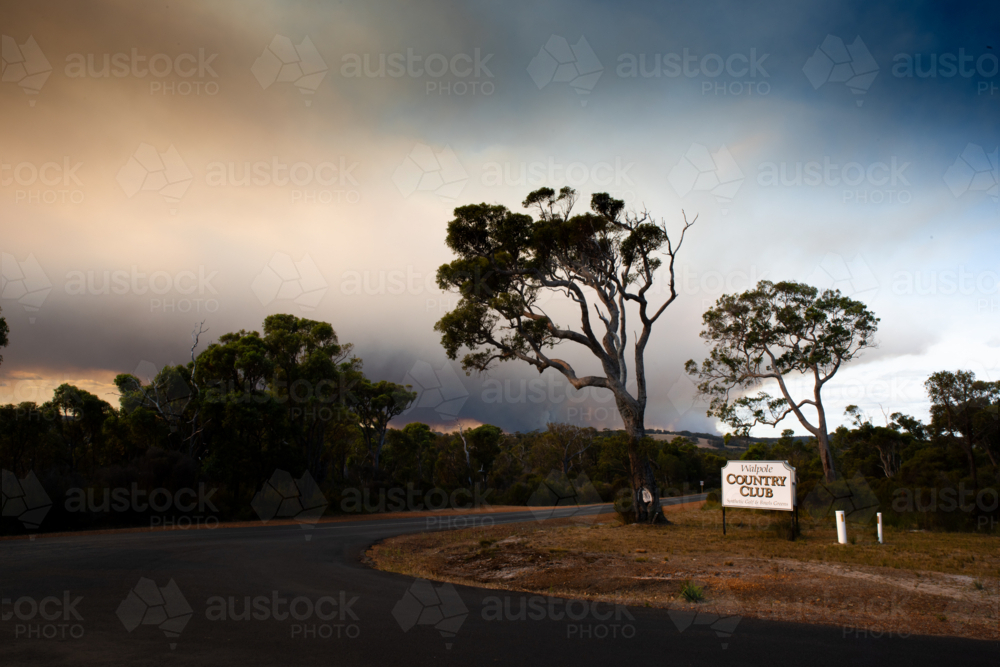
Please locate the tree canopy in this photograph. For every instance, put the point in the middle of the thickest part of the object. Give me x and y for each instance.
(965, 410)
(603, 261)
(773, 332)
(377, 404)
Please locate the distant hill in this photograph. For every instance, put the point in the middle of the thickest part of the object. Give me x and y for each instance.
(711, 440)
(703, 440)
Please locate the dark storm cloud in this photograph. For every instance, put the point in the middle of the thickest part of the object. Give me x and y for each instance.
(652, 80)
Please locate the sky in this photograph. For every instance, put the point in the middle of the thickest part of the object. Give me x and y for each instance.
(164, 164)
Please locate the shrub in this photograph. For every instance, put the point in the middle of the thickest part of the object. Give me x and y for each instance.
(692, 593)
(624, 507)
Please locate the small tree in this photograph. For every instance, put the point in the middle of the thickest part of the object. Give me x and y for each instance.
(887, 440)
(964, 410)
(78, 418)
(772, 332)
(604, 261)
(564, 445)
(172, 395)
(313, 373)
(376, 404)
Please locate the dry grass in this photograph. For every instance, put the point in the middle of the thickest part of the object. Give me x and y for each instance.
(924, 583)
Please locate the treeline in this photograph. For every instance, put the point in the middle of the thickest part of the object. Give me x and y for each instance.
(292, 397)
(937, 476)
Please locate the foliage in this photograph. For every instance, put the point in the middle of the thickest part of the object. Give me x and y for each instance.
(251, 393)
(692, 593)
(604, 262)
(964, 410)
(773, 332)
(376, 404)
(624, 508)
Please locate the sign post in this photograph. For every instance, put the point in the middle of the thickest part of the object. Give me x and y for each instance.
(760, 485)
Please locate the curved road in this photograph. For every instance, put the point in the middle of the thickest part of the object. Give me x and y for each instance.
(170, 599)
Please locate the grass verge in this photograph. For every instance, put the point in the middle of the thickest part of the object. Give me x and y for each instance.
(916, 583)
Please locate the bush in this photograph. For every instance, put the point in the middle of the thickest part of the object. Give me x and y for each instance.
(713, 501)
(517, 494)
(624, 507)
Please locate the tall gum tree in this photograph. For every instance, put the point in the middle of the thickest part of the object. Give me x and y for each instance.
(964, 410)
(778, 331)
(376, 404)
(604, 261)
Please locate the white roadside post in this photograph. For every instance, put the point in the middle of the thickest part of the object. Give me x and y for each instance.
(879, 515)
(841, 527)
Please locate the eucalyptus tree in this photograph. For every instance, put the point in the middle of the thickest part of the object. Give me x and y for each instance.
(964, 410)
(780, 331)
(376, 404)
(78, 419)
(605, 262)
(173, 396)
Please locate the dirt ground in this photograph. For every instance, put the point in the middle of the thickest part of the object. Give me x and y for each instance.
(916, 583)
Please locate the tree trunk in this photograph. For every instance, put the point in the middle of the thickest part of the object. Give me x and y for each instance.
(825, 456)
(890, 459)
(971, 455)
(989, 453)
(376, 455)
(645, 492)
(823, 435)
(314, 453)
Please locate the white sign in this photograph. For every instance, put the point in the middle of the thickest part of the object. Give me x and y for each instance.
(762, 485)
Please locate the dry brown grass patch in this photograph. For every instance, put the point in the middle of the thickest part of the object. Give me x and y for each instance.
(903, 586)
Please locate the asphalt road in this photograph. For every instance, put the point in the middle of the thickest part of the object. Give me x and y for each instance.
(170, 599)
